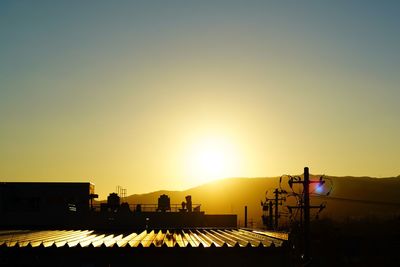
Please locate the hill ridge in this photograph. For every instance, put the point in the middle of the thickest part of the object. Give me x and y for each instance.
(230, 195)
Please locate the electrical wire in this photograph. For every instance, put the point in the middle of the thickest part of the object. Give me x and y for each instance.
(364, 201)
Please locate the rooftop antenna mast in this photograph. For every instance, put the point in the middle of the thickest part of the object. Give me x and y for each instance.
(121, 192)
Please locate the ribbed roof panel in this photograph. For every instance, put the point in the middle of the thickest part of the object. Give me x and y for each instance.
(169, 238)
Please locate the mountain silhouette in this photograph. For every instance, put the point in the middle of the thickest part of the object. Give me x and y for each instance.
(345, 197)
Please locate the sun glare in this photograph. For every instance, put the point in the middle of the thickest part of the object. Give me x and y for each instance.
(211, 159)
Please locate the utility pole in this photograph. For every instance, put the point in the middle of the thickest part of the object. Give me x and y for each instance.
(270, 215)
(306, 185)
(277, 199)
(272, 220)
(276, 192)
(305, 207)
(245, 216)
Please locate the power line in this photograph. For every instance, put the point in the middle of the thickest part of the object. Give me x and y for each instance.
(364, 201)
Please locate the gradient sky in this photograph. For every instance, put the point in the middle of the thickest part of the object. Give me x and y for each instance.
(129, 93)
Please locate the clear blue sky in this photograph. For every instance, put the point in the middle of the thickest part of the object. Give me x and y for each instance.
(128, 92)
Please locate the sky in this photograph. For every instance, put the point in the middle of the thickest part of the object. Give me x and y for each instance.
(154, 95)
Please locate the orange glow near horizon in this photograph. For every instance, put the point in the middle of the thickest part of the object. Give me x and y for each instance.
(173, 95)
(212, 158)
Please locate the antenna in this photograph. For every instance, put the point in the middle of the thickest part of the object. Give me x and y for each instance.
(121, 192)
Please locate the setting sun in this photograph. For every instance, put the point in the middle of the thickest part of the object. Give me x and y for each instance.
(212, 158)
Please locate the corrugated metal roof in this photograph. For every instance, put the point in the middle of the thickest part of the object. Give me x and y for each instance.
(148, 238)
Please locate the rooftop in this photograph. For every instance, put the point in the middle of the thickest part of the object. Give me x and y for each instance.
(181, 238)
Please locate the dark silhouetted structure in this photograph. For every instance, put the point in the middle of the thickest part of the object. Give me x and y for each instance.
(70, 205)
(33, 204)
(189, 203)
(164, 203)
(118, 234)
